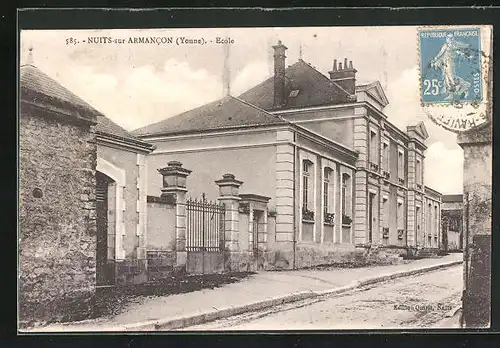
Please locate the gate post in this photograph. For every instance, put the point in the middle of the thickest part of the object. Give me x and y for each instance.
(174, 189)
(229, 196)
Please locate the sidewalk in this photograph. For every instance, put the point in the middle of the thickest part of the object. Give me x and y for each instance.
(261, 290)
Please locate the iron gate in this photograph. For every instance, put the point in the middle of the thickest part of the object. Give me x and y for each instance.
(205, 225)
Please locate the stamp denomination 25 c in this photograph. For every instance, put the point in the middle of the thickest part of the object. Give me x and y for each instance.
(453, 76)
(450, 62)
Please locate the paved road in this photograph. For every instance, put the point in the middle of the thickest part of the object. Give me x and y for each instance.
(419, 301)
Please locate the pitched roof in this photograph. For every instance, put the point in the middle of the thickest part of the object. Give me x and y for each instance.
(314, 89)
(105, 125)
(452, 198)
(35, 80)
(228, 112)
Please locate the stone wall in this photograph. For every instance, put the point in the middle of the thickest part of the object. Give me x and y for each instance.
(57, 226)
(161, 238)
(161, 224)
(478, 170)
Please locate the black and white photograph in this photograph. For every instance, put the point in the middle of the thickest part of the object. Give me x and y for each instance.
(255, 178)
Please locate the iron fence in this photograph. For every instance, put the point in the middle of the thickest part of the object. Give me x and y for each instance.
(205, 225)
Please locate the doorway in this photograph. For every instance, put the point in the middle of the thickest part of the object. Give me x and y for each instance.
(418, 233)
(371, 201)
(105, 266)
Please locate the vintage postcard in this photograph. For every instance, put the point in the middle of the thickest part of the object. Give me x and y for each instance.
(221, 179)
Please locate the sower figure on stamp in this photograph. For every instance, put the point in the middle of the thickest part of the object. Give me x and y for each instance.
(451, 51)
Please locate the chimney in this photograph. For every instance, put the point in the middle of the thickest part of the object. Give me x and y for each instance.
(279, 74)
(344, 76)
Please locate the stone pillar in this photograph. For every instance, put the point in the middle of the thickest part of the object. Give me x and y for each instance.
(250, 226)
(286, 184)
(410, 197)
(229, 196)
(476, 300)
(360, 180)
(174, 189)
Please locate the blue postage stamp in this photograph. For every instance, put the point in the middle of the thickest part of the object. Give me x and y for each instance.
(450, 66)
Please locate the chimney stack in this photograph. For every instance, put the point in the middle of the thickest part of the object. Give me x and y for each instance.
(279, 74)
(344, 76)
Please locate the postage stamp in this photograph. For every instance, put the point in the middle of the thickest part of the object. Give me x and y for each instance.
(450, 61)
(454, 73)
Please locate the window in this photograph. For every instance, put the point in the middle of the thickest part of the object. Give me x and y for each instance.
(401, 164)
(400, 214)
(373, 148)
(306, 173)
(385, 212)
(385, 154)
(327, 191)
(418, 169)
(436, 221)
(429, 220)
(294, 93)
(345, 193)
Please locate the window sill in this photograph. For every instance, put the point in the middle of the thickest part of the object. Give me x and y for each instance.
(308, 221)
(328, 224)
(347, 225)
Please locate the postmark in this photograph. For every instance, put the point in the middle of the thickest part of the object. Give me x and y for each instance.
(454, 76)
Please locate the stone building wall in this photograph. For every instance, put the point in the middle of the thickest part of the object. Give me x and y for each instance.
(57, 217)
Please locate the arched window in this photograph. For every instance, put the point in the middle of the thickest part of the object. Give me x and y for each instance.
(429, 221)
(307, 185)
(436, 221)
(345, 193)
(328, 192)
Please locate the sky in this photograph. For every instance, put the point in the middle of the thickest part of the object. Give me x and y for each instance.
(135, 84)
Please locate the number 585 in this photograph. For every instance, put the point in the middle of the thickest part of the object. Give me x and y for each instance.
(431, 87)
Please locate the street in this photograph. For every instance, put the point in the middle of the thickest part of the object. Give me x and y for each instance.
(419, 301)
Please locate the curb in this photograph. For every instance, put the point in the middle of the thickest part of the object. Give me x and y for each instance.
(182, 322)
(197, 319)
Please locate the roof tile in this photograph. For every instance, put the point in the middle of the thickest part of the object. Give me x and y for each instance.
(33, 79)
(228, 112)
(314, 89)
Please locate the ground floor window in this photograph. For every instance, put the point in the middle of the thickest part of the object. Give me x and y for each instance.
(328, 194)
(307, 190)
(345, 196)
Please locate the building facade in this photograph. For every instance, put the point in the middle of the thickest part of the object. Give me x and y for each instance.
(340, 176)
(452, 222)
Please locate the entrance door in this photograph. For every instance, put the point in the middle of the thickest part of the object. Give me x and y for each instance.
(105, 274)
(418, 230)
(371, 200)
